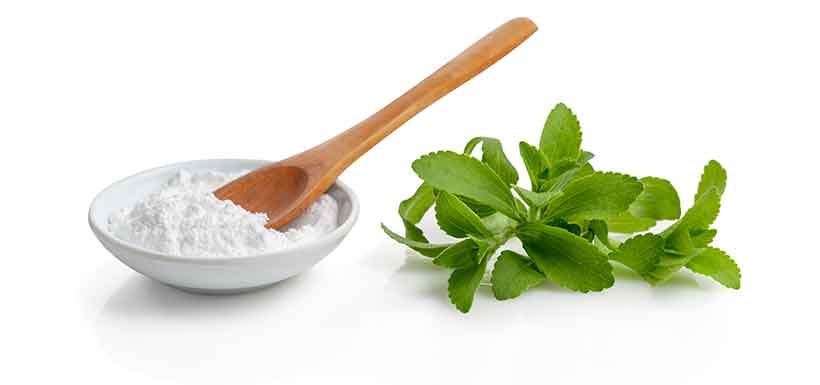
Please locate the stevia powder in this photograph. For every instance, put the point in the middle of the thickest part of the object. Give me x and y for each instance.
(184, 218)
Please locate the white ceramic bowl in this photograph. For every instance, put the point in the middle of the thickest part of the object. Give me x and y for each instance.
(212, 275)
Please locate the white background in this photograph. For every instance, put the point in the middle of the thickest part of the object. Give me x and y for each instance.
(91, 92)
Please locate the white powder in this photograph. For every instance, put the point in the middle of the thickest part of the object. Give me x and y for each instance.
(185, 219)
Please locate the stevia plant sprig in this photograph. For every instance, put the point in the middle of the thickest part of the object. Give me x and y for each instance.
(563, 220)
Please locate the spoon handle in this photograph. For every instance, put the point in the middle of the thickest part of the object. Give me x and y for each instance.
(335, 155)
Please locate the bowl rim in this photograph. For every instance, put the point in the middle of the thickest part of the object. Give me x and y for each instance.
(337, 234)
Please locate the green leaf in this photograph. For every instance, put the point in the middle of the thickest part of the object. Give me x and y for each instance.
(468, 149)
(601, 231)
(713, 177)
(597, 195)
(701, 215)
(561, 137)
(627, 223)
(498, 224)
(486, 247)
(679, 249)
(584, 170)
(413, 209)
(480, 209)
(513, 274)
(463, 284)
(423, 248)
(718, 265)
(414, 233)
(521, 208)
(641, 253)
(466, 176)
(707, 201)
(680, 242)
(456, 219)
(673, 258)
(459, 255)
(703, 238)
(585, 157)
(658, 200)
(667, 265)
(566, 259)
(571, 227)
(492, 154)
(562, 175)
(535, 162)
(535, 199)
(564, 226)
(564, 166)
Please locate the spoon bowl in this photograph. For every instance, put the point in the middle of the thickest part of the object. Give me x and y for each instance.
(278, 190)
(223, 275)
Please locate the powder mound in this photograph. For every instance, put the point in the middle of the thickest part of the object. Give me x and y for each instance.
(184, 218)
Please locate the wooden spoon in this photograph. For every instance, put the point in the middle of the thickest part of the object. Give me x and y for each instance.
(283, 190)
